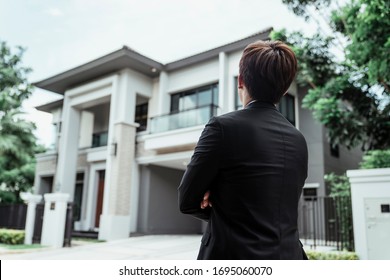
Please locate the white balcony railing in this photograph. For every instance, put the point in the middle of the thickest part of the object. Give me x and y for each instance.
(182, 119)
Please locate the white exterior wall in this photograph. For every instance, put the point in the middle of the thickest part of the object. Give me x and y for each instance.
(86, 129)
(153, 106)
(371, 230)
(194, 76)
(233, 70)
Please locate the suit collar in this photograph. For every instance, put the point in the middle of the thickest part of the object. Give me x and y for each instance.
(260, 104)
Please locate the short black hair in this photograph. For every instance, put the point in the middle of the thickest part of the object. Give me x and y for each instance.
(267, 69)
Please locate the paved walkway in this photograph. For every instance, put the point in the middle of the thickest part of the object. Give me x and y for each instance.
(157, 247)
(149, 247)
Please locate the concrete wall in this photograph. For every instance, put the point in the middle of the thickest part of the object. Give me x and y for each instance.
(101, 119)
(186, 78)
(370, 192)
(348, 159)
(158, 205)
(313, 132)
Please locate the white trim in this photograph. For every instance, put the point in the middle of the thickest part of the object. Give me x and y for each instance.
(369, 175)
(92, 86)
(38, 177)
(165, 157)
(50, 155)
(223, 83)
(97, 154)
(141, 138)
(90, 99)
(92, 195)
(312, 185)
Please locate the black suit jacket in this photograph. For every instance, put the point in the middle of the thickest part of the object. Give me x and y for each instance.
(254, 162)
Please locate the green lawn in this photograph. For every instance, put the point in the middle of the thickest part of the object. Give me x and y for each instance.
(21, 246)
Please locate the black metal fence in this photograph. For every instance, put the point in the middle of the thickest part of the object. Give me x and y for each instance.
(39, 211)
(326, 221)
(13, 216)
(322, 221)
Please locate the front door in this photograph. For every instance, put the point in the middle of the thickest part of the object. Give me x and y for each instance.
(99, 202)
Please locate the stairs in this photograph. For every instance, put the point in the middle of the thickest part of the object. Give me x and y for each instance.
(85, 234)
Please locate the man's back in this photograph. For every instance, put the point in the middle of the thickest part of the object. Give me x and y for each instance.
(254, 162)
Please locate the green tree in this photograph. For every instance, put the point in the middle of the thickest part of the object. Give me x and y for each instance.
(351, 96)
(17, 141)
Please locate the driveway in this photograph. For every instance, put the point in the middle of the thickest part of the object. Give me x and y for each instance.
(156, 247)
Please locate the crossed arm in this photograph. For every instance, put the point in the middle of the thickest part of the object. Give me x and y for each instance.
(196, 184)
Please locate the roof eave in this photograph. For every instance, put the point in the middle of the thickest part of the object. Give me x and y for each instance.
(49, 107)
(115, 61)
(128, 58)
(228, 48)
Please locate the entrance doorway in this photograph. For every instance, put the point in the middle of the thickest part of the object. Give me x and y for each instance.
(99, 202)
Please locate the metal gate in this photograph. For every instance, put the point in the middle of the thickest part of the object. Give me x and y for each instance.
(326, 221)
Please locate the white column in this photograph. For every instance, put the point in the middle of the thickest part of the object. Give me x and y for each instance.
(163, 96)
(86, 129)
(68, 150)
(54, 218)
(134, 197)
(115, 219)
(223, 85)
(32, 201)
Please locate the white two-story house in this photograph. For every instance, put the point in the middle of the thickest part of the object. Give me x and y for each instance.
(126, 129)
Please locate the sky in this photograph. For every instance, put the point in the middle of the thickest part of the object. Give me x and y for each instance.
(63, 34)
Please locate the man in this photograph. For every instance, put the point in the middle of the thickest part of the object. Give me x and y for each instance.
(249, 166)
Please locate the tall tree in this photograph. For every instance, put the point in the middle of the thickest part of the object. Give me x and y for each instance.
(351, 96)
(17, 141)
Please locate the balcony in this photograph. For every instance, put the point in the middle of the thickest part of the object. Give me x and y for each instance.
(99, 139)
(182, 119)
(179, 131)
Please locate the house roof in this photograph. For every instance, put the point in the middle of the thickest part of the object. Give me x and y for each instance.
(49, 107)
(128, 58)
(117, 60)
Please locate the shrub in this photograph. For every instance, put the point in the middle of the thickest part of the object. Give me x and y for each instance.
(339, 255)
(11, 236)
(376, 159)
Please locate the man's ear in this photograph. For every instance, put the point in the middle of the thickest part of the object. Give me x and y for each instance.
(240, 82)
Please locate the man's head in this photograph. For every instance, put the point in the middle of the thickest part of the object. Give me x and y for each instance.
(267, 69)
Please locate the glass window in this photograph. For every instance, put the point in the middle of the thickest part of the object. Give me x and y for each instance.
(205, 97)
(195, 98)
(175, 103)
(238, 104)
(141, 116)
(78, 196)
(189, 102)
(216, 95)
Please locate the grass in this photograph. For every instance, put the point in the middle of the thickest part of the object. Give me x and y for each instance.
(21, 246)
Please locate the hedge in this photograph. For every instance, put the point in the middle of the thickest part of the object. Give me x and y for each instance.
(339, 255)
(11, 236)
